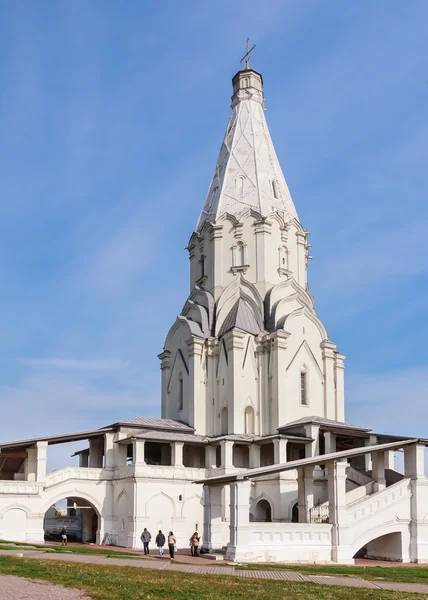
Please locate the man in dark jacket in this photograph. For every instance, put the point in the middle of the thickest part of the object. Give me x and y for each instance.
(160, 542)
(146, 536)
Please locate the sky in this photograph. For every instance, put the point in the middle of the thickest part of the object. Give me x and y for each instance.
(111, 119)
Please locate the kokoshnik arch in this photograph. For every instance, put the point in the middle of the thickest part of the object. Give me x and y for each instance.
(252, 448)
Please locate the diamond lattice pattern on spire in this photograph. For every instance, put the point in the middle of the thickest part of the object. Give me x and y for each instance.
(248, 173)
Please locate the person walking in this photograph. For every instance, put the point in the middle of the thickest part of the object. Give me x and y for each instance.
(195, 543)
(64, 538)
(146, 537)
(160, 542)
(171, 544)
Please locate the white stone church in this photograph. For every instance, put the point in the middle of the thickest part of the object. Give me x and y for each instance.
(252, 449)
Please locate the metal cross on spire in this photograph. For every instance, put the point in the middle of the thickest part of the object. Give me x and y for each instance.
(247, 55)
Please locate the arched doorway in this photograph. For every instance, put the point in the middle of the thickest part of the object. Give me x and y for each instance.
(384, 547)
(79, 516)
(295, 513)
(262, 512)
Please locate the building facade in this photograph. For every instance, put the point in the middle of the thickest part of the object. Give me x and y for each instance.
(252, 448)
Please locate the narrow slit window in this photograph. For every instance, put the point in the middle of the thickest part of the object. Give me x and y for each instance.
(275, 189)
(180, 393)
(303, 388)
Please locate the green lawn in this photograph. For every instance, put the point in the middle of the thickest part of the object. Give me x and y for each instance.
(83, 549)
(128, 583)
(402, 574)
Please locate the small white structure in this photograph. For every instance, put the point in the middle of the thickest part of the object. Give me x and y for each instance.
(252, 448)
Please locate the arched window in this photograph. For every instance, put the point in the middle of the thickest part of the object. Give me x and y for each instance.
(239, 185)
(240, 254)
(180, 392)
(202, 266)
(249, 420)
(224, 421)
(275, 191)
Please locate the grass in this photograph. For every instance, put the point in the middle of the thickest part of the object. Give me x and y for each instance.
(74, 549)
(128, 583)
(396, 574)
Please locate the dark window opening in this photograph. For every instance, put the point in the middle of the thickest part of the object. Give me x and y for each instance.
(157, 454)
(194, 456)
(267, 456)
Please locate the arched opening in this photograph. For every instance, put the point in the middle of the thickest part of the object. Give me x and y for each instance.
(384, 547)
(249, 420)
(224, 421)
(262, 512)
(239, 185)
(295, 513)
(79, 517)
(240, 251)
(275, 191)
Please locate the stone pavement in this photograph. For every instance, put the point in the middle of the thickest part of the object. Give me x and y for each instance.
(203, 569)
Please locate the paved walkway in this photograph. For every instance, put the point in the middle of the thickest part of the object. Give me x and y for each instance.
(167, 565)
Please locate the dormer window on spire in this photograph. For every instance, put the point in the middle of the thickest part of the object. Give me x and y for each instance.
(275, 191)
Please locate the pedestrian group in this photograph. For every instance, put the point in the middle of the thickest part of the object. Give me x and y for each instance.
(160, 540)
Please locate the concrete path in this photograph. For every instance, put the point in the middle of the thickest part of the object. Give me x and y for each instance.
(167, 565)
(19, 588)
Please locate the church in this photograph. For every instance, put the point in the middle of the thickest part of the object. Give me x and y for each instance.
(252, 448)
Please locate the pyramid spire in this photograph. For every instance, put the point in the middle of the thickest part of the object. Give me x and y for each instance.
(248, 173)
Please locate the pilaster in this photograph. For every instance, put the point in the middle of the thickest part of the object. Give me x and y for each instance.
(197, 403)
(239, 520)
(328, 356)
(177, 454)
(337, 512)
(278, 350)
(165, 358)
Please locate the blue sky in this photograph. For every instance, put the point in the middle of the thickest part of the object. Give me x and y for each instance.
(112, 115)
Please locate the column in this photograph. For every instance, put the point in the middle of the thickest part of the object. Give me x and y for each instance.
(305, 486)
(390, 460)
(340, 386)
(280, 450)
(278, 383)
(239, 542)
(31, 465)
(41, 450)
(177, 454)
(337, 512)
(210, 457)
(165, 358)
(206, 536)
(255, 450)
(96, 453)
(329, 442)
(138, 447)
(378, 471)
(328, 355)
(84, 459)
(313, 432)
(109, 451)
(226, 453)
(414, 459)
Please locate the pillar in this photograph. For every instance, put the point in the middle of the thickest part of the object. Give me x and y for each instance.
(280, 450)
(177, 454)
(41, 457)
(84, 459)
(239, 542)
(414, 459)
(390, 460)
(138, 447)
(313, 432)
(305, 487)
(328, 355)
(109, 451)
(378, 471)
(337, 512)
(96, 453)
(210, 457)
(165, 359)
(197, 415)
(226, 453)
(255, 450)
(206, 536)
(31, 464)
(329, 442)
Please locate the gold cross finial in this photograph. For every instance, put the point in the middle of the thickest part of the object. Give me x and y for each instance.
(247, 55)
